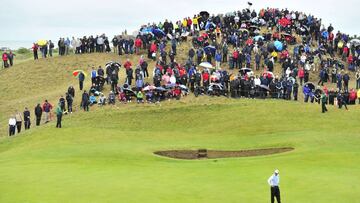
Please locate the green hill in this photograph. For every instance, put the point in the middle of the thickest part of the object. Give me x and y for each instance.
(106, 155)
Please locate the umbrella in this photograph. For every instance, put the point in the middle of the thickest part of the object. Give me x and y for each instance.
(42, 42)
(158, 33)
(325, 34)
(210, 49)
(271, 47)
(249, 41)
(269, 74)
(310, 85)
(265, 87)
(292, 80)
(77, 72)
(146, 31)
(129, 92)
(284, 22)
(160, 89)
(259, 37)
(355, 42)
(185, 34)
(209, 25)
(230, 14)
(148, 88)
(244, 30)
(278, 45)
(204, 13)
(183, 87)
(206, 65)
(245, 70)
(112, 63)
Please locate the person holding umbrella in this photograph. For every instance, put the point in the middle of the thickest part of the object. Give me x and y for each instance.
(274, 181)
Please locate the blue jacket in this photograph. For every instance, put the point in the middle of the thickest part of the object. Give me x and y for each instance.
(218, 57)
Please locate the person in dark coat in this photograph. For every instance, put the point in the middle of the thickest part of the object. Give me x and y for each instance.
(38, 113)
(323, 102)
(27, 119)
(71, 91)
(81, 80)
(69, 101)
(85, 101)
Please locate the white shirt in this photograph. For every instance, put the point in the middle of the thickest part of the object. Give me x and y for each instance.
(274, 180)
(12, 121)
(257, 81)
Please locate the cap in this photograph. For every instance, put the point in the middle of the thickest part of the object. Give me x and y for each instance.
(277, 171)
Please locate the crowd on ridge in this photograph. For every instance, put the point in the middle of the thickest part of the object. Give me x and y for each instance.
(244, 40)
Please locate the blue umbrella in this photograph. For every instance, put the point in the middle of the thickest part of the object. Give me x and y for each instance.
(210, 49)
(160, 89)
(257, 38)
(158, 33)
(325, 34)
(278, 45)
(209, 24)
(146, 31)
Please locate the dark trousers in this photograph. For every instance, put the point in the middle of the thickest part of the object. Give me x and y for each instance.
(58, 122)
(38, 119)
(27, 124)
(69, 107)
(275, 193)
(36, 55)
(323, 107)
(18, 126)
(12, 130)
(81, 85)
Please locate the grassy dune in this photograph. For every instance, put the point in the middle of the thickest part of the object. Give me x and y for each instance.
(106, 155)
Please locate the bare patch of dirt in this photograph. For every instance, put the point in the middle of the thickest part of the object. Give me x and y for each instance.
(215, 154)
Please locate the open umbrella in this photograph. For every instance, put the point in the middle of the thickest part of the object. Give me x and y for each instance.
(160, 89)
(284, 22)
(249, 41)
(310, 85)
(259, 37)
(77, 72)
(210, 49)
(206, 65)
(245, 70)
(355, 42)
(183, 87)
(264, 87)
(158, 33)
(129, 92)
(244, 30)
(42, 42)
(146, 31)
(204, 14)
(148, 88)
(278, 45)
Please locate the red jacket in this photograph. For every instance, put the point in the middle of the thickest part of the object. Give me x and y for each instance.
(127, 65)
(153, 47)
(205, 76)
(4, 57)
(301, 73)
(138, 43)
(235, 54)
(352, 95)
(189, 22)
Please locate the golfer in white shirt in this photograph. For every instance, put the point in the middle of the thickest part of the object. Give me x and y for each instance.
(274, 181)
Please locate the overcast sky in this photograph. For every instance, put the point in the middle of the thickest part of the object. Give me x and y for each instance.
(50, 19)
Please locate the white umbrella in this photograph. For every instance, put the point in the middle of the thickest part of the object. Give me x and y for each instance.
(355, 42)
(206, 65)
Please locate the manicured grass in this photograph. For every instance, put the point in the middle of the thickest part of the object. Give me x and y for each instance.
(106, 155)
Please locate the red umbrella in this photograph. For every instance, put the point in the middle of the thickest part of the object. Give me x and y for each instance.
(249, 41)
(284, 22)
(77, 72)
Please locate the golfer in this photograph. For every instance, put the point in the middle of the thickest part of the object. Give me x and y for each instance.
(274, 181)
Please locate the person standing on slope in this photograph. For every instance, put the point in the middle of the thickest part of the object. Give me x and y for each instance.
(274, 181)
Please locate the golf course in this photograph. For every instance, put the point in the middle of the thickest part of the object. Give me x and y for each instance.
(119, 153)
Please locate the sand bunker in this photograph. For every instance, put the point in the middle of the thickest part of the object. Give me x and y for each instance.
(215, 154)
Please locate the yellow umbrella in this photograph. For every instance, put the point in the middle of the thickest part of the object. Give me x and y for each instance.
(42, 42)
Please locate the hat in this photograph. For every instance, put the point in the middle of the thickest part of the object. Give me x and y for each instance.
(277, 171)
